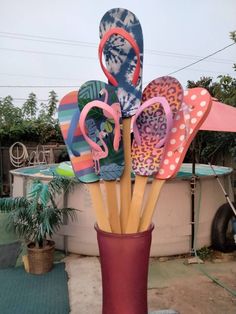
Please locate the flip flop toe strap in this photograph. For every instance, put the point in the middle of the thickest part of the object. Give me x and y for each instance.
(168, 114)
(97, 152)
(121, 32)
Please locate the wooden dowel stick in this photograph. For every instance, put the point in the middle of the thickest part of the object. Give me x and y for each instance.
(125, 181)
(136, 204)
(150, 205)
(98, 205)
(112, 204)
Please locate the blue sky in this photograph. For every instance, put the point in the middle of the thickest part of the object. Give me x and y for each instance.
(176, 33)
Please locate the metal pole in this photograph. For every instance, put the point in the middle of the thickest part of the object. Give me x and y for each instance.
(65, 222)
(193, 186)
(222, 188)
(1, 171)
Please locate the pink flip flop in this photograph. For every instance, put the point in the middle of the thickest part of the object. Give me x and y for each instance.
(151, 124)
(194, 110)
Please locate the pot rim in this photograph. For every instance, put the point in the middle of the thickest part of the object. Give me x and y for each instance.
(51, 244)
(124, 235)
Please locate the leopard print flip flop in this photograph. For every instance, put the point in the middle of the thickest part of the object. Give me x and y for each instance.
(152, 124)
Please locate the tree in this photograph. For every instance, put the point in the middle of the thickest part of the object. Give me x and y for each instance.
(10, 119)
(52, 103)
(212, 146)
(29, 108)
(233, 37)
(29, 122)
(8, 112)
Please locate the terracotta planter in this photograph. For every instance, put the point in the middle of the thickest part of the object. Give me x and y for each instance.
(41, 260)
(124, 268)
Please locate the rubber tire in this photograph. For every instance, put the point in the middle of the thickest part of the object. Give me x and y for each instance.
(220, 240)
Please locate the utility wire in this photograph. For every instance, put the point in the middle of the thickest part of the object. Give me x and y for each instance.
(52, 39)
(48, 53)
(94, 45)
(200, 60)
(39, 86)
(43, 77)
(41, 52)
(94, 58)
(20, 99)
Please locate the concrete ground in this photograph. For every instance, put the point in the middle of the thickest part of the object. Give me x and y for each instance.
(172, 285)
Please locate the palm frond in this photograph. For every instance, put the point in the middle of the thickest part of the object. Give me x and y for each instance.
(44, 195)
(70, 212)
(8, 204)
(59, 184)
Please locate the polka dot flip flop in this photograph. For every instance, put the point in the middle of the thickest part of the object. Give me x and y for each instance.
(194, 110)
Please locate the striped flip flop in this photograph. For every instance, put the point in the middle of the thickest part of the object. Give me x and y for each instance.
(78, 149)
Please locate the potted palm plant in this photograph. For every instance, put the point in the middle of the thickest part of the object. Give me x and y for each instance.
(36, 217)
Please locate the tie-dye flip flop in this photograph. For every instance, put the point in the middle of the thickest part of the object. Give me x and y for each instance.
(193, 112)
(78, 149)
(122, 46)
(153, 121)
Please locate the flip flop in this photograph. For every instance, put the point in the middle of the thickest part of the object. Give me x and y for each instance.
(78, 149)
(193, 112)
(101, 153)
(122, 46)
(152, 124)
(103, 124)
(149, 136)
(147, 156)
(80, 154)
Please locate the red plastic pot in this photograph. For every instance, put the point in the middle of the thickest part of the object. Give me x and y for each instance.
(124, 267)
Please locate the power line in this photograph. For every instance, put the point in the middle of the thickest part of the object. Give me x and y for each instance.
(52, 39)
(95, 45)
(43, 86)
(48, 53)
(40, 76)
(38, 86)
(51, 42)
(175, 67)
(200, 60)
(186, 56)
(20, 99)
(93, 58)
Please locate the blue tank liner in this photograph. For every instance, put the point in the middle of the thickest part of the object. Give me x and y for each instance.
(184, 173)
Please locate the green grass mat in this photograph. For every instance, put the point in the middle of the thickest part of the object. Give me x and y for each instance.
(23, 293)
